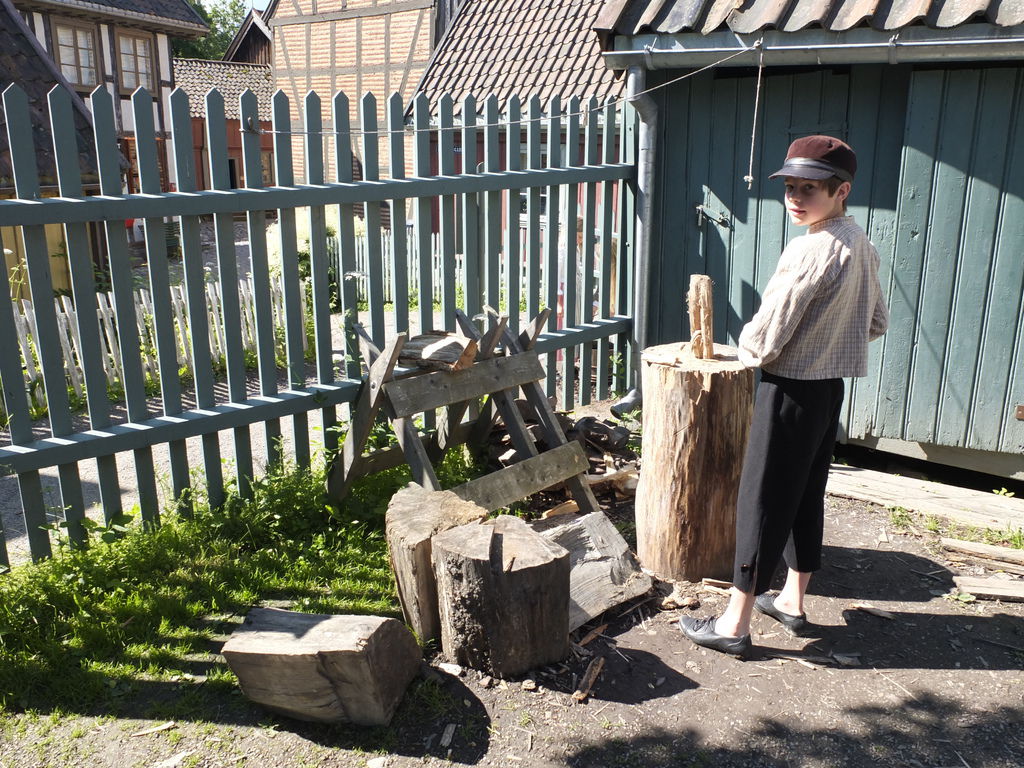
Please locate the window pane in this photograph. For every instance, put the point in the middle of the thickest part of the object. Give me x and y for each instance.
(65, 36)
(126, 46)
(70, 71)
(129, 80)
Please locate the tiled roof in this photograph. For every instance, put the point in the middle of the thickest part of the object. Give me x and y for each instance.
(23, 61)
(178, 12)
(633, 17)
(231, 79)
(521, 47)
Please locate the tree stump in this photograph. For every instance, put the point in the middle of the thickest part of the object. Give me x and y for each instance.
(696, 419)
(332, 669)
(503, 596)
(414, 515)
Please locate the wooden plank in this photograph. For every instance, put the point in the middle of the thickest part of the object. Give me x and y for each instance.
(992, 588)
(501, 488)
(1012, 559)
(439, 351)
(960, 505)
(87, 331)
(625, 347)
(227, 279)
(589, 249)
(471, 253)
(346, 285)
(160, 285)
(492, 207)
(570, 270)
(263, 312)
(433, 390)
(399, 239)
(295, 330)
(320, 277)
(415, 454)
(533, 211)
(422, 214)
(512, 249)
(446, 164)
(371, 172)
(551, 234)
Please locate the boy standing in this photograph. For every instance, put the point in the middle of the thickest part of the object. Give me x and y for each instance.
(818, 313)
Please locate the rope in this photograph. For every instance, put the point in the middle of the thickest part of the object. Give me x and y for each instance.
(749, 178)
(584, 112)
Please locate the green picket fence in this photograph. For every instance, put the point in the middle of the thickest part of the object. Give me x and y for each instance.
(487, 206)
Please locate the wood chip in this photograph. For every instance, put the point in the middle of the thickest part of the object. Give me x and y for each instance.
(592, 634)
(451, 669)
(165, 727)
(874, 611)
(175, 760)
(589, 678)
(569, 507)
(447, 735)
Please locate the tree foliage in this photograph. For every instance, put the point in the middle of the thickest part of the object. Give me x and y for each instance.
(224, 18)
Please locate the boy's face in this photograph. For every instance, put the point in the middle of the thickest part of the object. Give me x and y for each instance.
(808, 201)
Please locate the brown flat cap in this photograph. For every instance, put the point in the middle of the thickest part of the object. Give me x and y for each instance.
(819, 157)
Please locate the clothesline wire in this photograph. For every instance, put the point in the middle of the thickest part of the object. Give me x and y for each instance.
(505, 123)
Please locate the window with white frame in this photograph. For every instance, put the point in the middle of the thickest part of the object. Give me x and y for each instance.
(136, 56)
(76, 54)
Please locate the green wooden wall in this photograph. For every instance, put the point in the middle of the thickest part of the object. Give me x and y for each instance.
(940, 190)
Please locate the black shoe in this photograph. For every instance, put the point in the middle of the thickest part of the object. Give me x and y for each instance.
(798, 626)
(702, 632)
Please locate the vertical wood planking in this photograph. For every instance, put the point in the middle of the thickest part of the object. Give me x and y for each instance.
(314, 157)
(718, 235)
(534, 286)
(551, 236)
(606, 215)
(941, 237)
(227, 279)
(346, 234)
(744, 209)
(399, 214)
(492, 207)
(295, 330)
(471, 255)
(160, 286)
(446, 164)
(958, 399)
(421, 213)
(512, 247)
(916, 184)
(20, 426)
(571, 269)
(591, 157)
(46, 332)
(371, 172)
(83, 285)
(263, 311)
(109, 161)
(999, 385)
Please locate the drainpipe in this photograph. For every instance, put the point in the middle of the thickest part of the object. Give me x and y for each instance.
(647, 109)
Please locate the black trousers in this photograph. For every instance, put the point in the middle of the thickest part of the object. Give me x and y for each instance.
(780, 510)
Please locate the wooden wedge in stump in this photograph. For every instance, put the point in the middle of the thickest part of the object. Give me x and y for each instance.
(696, 419)
(414, 515)
(331, 669)
(503, 596)
(603, 572)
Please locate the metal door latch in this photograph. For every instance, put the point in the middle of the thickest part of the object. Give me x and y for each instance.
(720, 219)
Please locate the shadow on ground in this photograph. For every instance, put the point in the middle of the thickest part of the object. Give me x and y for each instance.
(927, 731)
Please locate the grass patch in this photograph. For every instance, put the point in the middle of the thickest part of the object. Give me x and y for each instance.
(133, 626)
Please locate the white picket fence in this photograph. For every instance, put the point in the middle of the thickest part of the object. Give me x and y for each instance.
(24, 321)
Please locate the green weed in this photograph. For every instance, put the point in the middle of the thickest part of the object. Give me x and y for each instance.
(899, 517)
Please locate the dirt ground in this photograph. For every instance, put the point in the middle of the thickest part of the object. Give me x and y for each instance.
(938, 684)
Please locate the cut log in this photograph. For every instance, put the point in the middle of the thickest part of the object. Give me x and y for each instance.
(414, 515)
(332, 669)
(1007, 590)
(503, 596)
(439, 351)
(603, 572)
(702, 324)
(696, 418)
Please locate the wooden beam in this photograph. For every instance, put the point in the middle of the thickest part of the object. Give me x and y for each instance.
(501, 488)
(425, 392)
(992, 589)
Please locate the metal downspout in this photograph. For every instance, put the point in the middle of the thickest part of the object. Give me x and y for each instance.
(647, 109)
